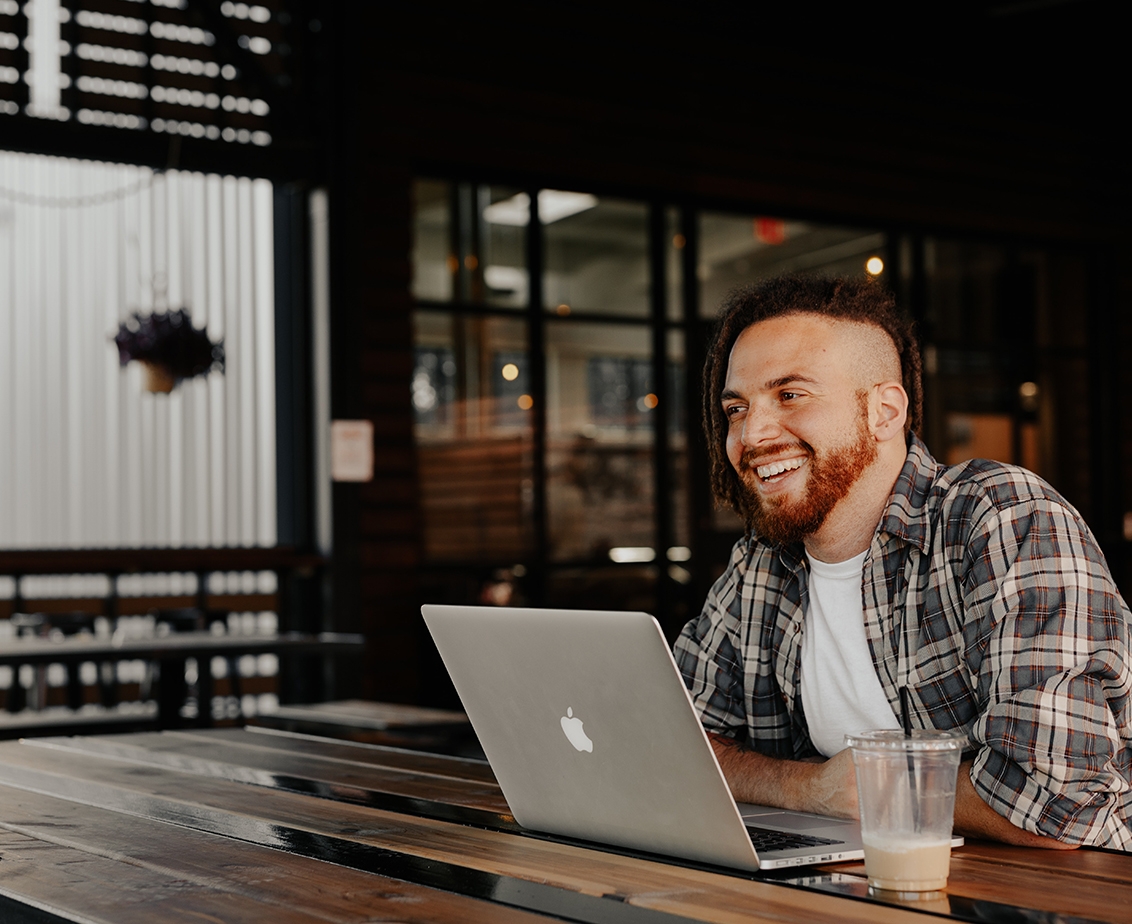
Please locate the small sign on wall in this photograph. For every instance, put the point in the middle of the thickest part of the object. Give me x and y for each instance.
(351, 450)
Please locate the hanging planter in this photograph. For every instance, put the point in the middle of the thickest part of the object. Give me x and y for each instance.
(168, 347)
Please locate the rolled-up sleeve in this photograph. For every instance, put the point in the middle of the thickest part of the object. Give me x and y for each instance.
(1047, 642)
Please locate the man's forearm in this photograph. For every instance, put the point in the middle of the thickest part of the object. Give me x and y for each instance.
(974, 818)
(830, 788)
(827, 788)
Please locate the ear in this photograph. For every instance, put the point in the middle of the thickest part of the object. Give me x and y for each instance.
(888, 411)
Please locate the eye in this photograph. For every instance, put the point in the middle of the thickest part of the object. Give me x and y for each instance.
(731, 411)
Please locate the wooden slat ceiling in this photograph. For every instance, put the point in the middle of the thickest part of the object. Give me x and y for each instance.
(206, 71)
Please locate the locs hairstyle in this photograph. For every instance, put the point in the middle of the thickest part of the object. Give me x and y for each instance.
(862, 300)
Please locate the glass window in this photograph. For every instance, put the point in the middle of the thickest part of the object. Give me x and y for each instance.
(469, 245)
(676, 420)
(1005, 359)
(674, 264)
(596, 254)
(494, 260)
(434, 263)
(739, 249)
(599, 441)
(474, 438)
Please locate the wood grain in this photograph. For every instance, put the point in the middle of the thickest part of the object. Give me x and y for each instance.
(230, 759)
(255, 813)
(77, 859)
(119, 797)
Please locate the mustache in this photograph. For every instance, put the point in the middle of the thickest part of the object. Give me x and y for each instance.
(752, 457)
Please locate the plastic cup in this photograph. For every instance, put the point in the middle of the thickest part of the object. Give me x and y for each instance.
(906, 791)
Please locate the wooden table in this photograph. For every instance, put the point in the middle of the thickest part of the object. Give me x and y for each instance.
(394, 724)
(243, 825)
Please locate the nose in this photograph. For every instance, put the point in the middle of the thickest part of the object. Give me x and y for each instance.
(760, 425)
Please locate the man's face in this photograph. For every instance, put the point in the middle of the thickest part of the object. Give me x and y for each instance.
(798, 422)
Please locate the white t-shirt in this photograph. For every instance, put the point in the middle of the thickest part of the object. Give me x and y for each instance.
(840, 690)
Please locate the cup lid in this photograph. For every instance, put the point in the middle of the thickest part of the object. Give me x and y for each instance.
(921, 739)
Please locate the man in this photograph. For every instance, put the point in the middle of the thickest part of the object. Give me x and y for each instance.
(870, 574)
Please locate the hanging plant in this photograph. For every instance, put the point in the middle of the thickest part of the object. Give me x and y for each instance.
(168, 347)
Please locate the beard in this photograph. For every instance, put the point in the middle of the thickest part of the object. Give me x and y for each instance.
(832, 474)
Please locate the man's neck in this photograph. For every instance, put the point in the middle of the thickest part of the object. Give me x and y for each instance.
(849, 528)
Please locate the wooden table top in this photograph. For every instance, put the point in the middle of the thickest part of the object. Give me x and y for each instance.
(242, 825)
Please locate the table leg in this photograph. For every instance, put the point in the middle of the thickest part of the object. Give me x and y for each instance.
(171, 692)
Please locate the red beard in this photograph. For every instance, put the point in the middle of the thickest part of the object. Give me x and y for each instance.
(831, 475)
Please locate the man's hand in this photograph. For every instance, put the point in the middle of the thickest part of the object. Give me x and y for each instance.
(826, 788)
(829, 787)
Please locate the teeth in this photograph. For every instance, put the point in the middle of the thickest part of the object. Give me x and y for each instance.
(777, 468)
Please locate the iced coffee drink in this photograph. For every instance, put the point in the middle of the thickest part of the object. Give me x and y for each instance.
(911, 866)
(906, 791)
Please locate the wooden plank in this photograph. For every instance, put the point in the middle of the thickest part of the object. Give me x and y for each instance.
(252, 813)
(976, 860)
(86, 863)
(390, 724)
(379, 755)
(344, 780)
(367, 714)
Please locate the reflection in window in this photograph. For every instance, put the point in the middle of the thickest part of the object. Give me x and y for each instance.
(468, 245)
(674, 268)
(511, 381)
(499, 248)
(737, 249)
(621, 392)
(433, 268)
(434, 385)
(473, 434)
(599, 448)
(596, 257)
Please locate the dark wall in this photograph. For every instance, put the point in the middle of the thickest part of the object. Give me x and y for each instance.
(1006, 132)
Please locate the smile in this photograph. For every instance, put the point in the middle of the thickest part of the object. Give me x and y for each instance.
(772, 469)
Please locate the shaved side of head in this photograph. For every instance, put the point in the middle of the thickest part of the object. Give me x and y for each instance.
(874, 356)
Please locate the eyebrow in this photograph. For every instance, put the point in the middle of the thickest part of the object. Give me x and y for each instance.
(729, 393)
(789, 380)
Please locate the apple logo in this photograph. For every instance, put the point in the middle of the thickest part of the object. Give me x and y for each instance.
(573, 728)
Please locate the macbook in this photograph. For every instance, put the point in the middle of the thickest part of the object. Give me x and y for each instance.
(591, 734)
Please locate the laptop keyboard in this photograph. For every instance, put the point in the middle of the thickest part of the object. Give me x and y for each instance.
(767, 839)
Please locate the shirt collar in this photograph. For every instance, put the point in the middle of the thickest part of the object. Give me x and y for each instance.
(906, 515)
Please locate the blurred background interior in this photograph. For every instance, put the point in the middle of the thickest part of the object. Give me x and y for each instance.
(501, 240)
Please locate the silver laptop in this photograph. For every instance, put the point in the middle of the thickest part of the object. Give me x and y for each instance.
(590, 731)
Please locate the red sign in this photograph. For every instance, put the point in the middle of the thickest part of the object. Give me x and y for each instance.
(770, 230)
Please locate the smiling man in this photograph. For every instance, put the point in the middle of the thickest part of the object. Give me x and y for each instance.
(870, 574)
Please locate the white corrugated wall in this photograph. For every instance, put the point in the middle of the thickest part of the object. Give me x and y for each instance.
(87, 458)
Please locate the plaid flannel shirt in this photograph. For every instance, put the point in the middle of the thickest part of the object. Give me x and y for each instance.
(986, 595)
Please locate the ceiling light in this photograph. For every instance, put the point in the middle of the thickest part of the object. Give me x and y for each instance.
(630, 553)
